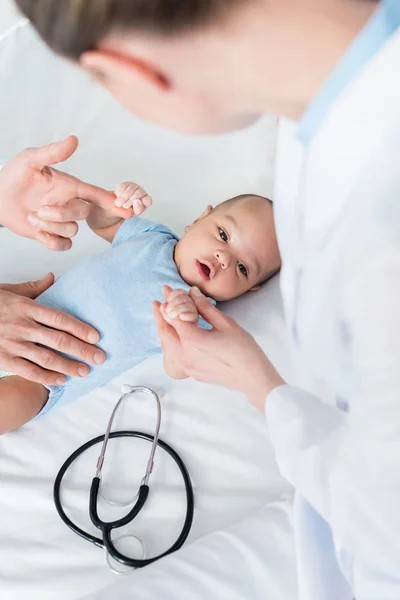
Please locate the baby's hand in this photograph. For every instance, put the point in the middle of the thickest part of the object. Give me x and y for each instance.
(178, 304)
(130, 194)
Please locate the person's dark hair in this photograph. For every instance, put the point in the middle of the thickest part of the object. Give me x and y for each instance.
(71, 27)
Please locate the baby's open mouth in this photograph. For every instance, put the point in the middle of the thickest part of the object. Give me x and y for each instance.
(203, 270)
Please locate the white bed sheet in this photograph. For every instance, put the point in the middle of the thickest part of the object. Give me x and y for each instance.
(221, 438)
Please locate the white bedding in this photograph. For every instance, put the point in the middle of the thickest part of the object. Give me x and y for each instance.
(223, 441)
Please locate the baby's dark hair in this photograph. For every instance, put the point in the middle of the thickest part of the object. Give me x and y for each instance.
(241, 198)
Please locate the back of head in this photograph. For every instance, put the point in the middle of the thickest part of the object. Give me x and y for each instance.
(72, 27)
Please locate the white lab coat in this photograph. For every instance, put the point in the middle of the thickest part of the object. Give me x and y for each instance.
(340, 242)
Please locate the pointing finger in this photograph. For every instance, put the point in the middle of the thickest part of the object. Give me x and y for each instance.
(100, 197)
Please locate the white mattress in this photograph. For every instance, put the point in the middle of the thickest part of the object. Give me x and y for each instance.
(222, 440)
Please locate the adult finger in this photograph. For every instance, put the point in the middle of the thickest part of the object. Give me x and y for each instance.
(63, 322)
(74, 210)
(209, 312)
(51, 361)
(53, 153)
(100, 197)
(27, 370)
(30, 289)
(65, 343)
(65, 230)
(103, 199)
(53, 242)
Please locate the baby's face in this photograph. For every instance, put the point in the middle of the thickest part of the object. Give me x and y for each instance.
(230, 250)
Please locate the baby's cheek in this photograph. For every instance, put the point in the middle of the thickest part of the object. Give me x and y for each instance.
(230, 287)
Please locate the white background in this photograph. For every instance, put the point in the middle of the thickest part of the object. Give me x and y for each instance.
(8, 15)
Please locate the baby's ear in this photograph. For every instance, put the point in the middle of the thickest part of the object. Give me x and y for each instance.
(205, 213)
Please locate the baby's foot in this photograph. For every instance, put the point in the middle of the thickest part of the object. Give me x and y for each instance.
(130, 194)
(178, 304)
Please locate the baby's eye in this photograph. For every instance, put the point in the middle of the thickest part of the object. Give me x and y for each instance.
(242, 269)
(223, 235)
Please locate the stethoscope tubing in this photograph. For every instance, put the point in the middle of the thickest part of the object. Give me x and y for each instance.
(107, 527)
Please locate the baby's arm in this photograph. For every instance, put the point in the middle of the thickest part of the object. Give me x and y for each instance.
(20, 401)
(178, 305)
(128, 195)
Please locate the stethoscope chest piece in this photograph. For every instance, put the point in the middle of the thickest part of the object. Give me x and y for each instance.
(129, 545)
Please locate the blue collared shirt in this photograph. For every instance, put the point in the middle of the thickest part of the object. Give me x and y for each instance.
(383, 23)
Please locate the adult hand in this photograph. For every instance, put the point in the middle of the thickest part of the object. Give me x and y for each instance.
(39, 202)
(25, 323)
(227, 355)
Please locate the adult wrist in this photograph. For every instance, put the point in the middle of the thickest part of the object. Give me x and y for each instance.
(267, 381)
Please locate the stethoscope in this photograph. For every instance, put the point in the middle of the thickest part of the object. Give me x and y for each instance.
(106, 542)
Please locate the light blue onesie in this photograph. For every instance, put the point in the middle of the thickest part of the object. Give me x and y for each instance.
(114, 291)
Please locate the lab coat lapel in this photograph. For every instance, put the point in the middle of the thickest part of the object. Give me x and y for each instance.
(338, 156)
(342, 147)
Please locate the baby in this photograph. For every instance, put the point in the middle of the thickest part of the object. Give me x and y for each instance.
(227, 251)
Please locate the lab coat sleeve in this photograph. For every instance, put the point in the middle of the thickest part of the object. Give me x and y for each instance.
(347, 465)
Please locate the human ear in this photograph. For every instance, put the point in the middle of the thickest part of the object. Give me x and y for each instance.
(107, 67)
(204, 214)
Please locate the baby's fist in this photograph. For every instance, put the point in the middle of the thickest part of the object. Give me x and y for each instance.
(130, 194)
(178, 304)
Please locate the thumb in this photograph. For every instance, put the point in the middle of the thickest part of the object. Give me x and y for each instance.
(208, 311)
(53, 153)
(30, 289)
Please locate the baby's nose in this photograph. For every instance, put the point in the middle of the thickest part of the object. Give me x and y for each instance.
(223, 259)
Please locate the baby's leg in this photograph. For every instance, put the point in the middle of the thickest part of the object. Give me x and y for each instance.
(20, 401)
